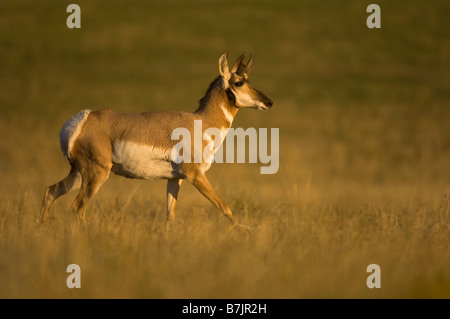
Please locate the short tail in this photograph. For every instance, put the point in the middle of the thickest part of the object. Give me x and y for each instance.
(70, 131)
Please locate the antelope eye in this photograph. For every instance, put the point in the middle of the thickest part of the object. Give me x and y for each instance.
(238, 83)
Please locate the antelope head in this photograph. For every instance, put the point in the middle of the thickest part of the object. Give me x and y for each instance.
(237, 86)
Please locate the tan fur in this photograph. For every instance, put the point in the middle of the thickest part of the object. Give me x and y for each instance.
(139, 145)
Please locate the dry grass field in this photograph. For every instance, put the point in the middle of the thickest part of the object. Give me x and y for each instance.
(364, 176)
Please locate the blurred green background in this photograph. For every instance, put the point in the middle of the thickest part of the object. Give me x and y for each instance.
(363, 117)
(380, 96)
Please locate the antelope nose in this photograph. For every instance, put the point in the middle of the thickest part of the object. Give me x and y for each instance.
(269, 103)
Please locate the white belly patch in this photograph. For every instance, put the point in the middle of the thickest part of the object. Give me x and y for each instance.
(143, 161)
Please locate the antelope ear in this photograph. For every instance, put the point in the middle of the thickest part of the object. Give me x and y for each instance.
(237, 65)
(248, 67)
(223, 66)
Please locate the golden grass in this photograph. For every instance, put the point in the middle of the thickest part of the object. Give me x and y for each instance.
(301, 246)
(364, 151)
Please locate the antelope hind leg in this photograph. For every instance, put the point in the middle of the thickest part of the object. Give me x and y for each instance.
(92, 181)
(71, 182)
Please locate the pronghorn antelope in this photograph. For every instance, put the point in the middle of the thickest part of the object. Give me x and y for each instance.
(139, 145)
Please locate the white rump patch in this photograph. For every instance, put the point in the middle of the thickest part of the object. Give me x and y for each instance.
(135, 160)
(70, 131)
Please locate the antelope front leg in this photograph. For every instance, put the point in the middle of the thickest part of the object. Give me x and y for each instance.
(173, 186)
(202, 184)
